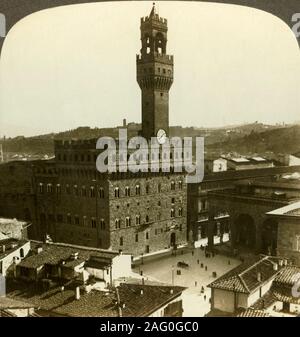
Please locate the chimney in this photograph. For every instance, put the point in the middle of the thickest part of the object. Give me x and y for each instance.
(124, 122)
(280, 262)
(275, 266)
(74, 256)
(171, 291)
(258, 276)
(3, 249)
(285, 262)
(77, 293)
(142, 292)
(39, 250)
(123, 306)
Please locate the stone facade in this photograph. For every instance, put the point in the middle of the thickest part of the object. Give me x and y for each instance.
(288, 243)
(135, 213)
(153, 217)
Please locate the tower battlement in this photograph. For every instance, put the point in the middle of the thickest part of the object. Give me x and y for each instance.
(155, 18)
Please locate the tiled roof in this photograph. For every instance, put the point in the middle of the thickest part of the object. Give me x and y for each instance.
(9, 303)
(289, 210)
(54, 253)
(142, 300)
(6, 313)
(93, 304)
(288, 275)
(284, 294)
(244, 277)
(59, 302)
(295, 212)
(96, 303)
(253, 313)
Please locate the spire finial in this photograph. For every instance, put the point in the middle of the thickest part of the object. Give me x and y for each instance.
(153, 10)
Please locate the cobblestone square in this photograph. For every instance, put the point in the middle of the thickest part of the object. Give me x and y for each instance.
(198, 274)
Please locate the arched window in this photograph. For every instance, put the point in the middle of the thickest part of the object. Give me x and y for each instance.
(172, 185)
(76, 192)
(147, 44)
(49, 188)
(127, 191)
(84, 219)
(92, 192)
(160, 44)
(83, 191)
(58, 189)
(180, 212)
(137, 189)
(147, 189)
(138, 220)
(117, 192)
(102, 224)
(101, 192)
(128, 221)
(147, 218)
(180, 184)
(94, 222)
(41, 188)
(117, 223)
(172, 212)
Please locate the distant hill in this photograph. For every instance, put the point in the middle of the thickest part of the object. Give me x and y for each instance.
(281, 140)
(254, 137)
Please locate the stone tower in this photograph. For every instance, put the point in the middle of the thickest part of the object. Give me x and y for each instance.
(154, 74)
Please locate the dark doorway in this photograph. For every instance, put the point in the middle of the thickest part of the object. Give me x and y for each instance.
(173, 239)
(269, 236)
(286, 307)
(246, 232)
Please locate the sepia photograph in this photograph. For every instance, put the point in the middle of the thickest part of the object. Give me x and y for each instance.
(149, 161)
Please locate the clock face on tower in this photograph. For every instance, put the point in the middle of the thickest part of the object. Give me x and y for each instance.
(161, 136)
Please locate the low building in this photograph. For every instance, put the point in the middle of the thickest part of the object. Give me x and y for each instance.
(242, 163)
(12, 252)
(13, 228)
(58, 261)
(215, 164)
(294, 159)
(248, 205)
(126, 300)
(263, 285)
(199, 204)
(15, 308)
(288, 238)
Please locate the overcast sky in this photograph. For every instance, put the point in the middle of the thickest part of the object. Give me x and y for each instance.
(75, 66)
